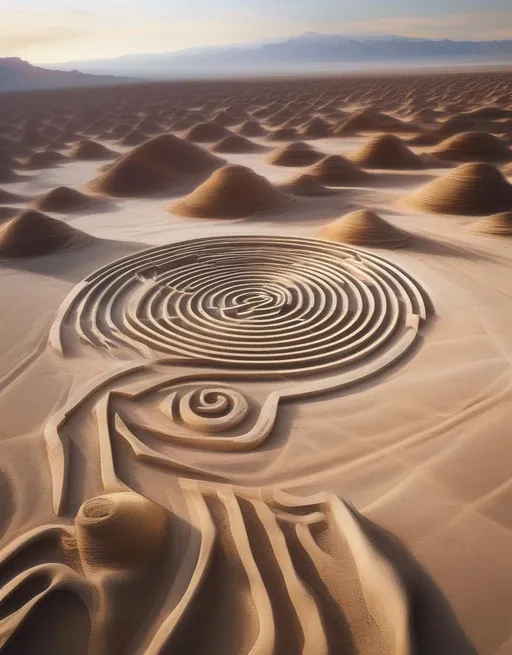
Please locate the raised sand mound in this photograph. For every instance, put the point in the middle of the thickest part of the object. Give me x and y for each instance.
(386, 151)
(472, 146)
(235, 143)
(88, 150)
(133, 138)
(32, 234)
(206, 133)
(251, 128)
(282, 134)
(364, 228)
(424, 139)
(226, 119)
(316, 128)
(231, 192)
(8, 175)
(45, 159)
(154, 166)
(335, 170)
(470, 189)
(507, 170)
(370, 120)
(295, 154)
(133, 175)
(305, 185)
(62, 199)
(456, 125)
(497, 224)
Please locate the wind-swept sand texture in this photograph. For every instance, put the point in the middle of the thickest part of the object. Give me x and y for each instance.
(386, 151)
(296, 153)
(231, 192)
(469, 189)
(32, 234)
(497, 224)
(472, 146)
(364, 228)
(232, 437)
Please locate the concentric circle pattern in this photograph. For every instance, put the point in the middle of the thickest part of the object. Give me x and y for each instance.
(270, 304)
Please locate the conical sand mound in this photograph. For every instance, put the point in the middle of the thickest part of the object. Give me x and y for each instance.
(63, 199)
(335, 170)
(154, 166)
(316, 128)
(369, 120)
(305, 185)
(251, 128)
(133, 138)
(365, 228)
(507, 170)
(469, 189)
(224, 118)
(206, 133)
(498, 225)
(133, 175)
(178, 155)
(235, 143)
(386, 151)
(472, 146)
(45, 159)
(424, 139)
(32, 234)
(87, 150)
(282, 134)
(295, 154)
(231, 192)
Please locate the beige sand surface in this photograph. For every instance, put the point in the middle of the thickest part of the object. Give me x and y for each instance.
(273, 472)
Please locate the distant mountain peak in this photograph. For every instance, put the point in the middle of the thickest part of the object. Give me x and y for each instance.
(16, 74)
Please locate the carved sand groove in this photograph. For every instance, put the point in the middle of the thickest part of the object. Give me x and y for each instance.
(285, 556)
(276, 304)
(246, 308)
(299, 573)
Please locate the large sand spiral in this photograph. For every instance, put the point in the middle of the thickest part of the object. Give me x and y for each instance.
(469, 189)
(275, 304)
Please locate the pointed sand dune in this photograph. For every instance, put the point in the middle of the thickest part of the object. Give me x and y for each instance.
(231, 192)
(32, 234)
(470, 189)
(364, 228)
(386, 151)
(335, 170)
(297, 153)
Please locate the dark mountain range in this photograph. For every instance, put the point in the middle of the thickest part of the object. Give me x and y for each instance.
(19, 75)
(309, 51)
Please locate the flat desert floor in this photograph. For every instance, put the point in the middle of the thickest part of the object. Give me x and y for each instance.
(256, 367)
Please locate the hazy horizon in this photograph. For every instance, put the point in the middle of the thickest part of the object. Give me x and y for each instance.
(68, 30)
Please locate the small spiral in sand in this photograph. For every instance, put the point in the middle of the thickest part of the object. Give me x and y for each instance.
(213, 409)
(277, 304)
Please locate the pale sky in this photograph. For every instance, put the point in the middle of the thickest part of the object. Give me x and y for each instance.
(51, 31)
